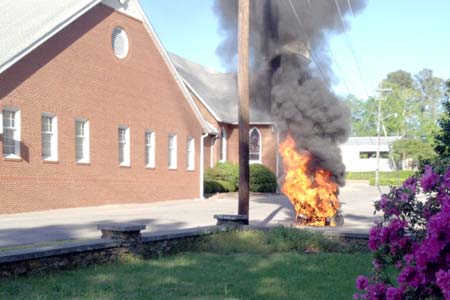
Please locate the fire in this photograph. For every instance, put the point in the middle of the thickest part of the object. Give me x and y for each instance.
(313, 194)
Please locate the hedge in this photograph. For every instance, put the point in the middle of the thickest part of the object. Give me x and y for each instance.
(224, 177)
(224, 171)
(262, 179)
(387, 181)
(218, 186)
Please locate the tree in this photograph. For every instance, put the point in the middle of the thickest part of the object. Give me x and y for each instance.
(399, 103)
(364, 118)
(442, 139)
(414, 149)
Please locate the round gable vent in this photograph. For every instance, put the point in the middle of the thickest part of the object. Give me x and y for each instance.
(120, 43)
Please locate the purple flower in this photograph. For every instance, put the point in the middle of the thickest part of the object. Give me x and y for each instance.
(404, 197)
(443, 281)
(394, 294)
(410, 184)
(383, 201)
(362, 282)
(429, 179)
(446, 181)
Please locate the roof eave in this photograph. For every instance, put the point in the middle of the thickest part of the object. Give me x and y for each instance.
(154, 36)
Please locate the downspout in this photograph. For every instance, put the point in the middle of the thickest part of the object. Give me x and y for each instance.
(202, 154)
(278, 162)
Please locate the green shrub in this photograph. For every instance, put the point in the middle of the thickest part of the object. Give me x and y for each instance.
(218, 186)
(224, 171)
(227, 186)
(262, 179)
(402, 175)
(387, 181)
(211, 187)
(224, 177)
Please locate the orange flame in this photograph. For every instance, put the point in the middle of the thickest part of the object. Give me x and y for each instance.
(312, 194)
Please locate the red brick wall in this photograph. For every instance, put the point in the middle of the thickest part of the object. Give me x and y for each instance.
(269, 144)
(207, 142)
(75, 74)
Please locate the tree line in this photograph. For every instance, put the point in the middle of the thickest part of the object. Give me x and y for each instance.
(412, 110)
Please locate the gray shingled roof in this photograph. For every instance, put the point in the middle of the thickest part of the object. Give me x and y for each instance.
(217, 90)
(24, 23)
(371, 140)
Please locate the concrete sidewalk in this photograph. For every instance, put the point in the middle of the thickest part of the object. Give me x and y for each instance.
(265, 210)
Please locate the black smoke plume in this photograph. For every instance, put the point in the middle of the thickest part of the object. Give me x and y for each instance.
(285, 81)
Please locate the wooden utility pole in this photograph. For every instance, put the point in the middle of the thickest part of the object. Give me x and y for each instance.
(244, 100)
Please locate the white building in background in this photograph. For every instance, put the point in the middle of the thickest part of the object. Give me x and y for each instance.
(360, 154)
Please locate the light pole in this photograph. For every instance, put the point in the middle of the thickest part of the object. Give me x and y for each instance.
(380, 91)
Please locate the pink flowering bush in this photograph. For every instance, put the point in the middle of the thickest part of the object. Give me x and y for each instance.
(411, 246)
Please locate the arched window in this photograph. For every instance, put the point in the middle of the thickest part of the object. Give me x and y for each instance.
(255, 145)
(223, 144)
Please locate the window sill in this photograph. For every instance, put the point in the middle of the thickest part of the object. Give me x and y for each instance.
(83, 163)
(255, 162)
(12, 158)
(50, 161)
(190, 170)
(172, 169)
(125, 166)
(150, 168)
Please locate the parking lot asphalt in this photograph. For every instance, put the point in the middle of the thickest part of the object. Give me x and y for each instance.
(356, 200)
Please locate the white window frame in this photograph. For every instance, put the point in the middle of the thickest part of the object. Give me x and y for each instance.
(223, 145)
(254, 161)
(54, 137)
(119, 31)
(172, 152)
(211, 152)
(190, 154)
(86, 141)
(126, 155)
(150, 149)
(17, 131)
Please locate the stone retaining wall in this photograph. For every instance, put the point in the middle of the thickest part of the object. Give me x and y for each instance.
(40, 260)
(114, 246)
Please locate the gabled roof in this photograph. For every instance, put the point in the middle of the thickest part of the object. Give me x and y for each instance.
(217, 91)
(26, 24)
(370, 140)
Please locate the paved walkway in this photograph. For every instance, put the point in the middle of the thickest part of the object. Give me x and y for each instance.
(81, 223)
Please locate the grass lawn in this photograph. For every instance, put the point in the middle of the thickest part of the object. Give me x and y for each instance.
(386, 178)
(258, 266)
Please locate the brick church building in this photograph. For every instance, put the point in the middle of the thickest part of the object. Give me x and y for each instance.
(94, 111)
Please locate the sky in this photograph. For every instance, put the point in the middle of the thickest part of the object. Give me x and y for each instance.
(387, 36)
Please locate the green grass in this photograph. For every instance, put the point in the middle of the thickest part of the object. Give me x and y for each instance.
(386, 178)
(234, 265)
(276, 240)
(202, 276)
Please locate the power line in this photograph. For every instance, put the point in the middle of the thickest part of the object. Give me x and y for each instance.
(350, 47)
(333, 57)
(350, 8)
(313, 56)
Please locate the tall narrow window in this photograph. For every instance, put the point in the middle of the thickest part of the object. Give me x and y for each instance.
(190, 149)
(223, 145)
(211, 157)
(255, 146)
(82, 141)
(172, 151)
(124, 146)
(49, 137)
(11, 133)
(149, 149)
